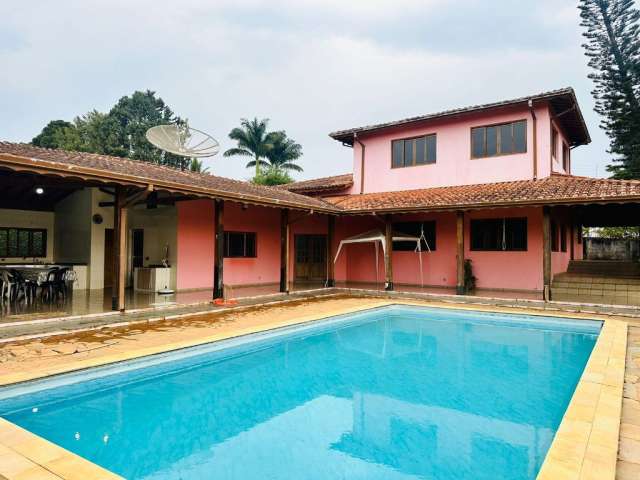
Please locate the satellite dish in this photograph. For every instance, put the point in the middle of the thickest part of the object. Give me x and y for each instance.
(183, 140)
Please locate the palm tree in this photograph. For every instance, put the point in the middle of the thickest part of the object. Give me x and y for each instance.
(284, 152)
(252, 141)
(198, 166)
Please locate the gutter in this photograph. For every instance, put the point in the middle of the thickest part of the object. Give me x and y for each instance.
(535, 139)
(362, 147)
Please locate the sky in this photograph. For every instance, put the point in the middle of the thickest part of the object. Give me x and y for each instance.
(310, 66)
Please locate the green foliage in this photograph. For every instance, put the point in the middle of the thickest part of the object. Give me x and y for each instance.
(197, 166)
(469, 278)
(613, 49)
(615, 232)
(273, 151)
(284, 152)
(119, 132)
(57, 134)
(252, 141)
(272, 176)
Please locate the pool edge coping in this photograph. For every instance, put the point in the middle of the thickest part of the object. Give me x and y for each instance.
(585, 445)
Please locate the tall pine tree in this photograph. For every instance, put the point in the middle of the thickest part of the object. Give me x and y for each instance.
(613, 48)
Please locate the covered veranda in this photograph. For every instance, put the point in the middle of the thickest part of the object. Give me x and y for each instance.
(108, 220)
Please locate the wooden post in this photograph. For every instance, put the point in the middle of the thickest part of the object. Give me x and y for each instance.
(572, 238)
(460, 286)
(388, 253)
(546, 254)
(284, 250)
(120, 246)
(218, 270)
(331, 227)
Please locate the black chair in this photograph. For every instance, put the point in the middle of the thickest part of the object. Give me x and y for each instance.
(49, 284)
(21, 285)
(60, 282)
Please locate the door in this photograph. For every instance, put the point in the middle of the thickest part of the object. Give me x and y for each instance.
(137, 259)
(311, 257)
(108, 257)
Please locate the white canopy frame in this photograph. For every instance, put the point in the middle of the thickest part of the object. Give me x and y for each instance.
(378, 238)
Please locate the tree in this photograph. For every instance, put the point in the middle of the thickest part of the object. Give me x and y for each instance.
(272, 177)
(284, 152)
(253, 141)
(613, 49)
(57, 134)
(121, 132)
(133, 116)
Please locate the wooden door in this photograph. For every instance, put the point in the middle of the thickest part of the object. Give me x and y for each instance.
(108, 257)
(311, 257)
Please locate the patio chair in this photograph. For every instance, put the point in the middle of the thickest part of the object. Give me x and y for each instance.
(19, 286)
(6, 286)
(24, 285)
(47, 287)
(60, 282)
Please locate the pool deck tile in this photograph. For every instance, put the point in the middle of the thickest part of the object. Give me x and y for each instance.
(586, 445)
(26, 456)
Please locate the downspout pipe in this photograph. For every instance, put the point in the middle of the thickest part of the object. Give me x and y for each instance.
(362, 150)
(535, 139)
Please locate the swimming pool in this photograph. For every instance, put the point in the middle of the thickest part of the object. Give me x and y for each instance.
(392, 393)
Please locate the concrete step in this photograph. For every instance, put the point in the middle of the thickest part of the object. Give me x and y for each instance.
(605, 268)
(559, 296)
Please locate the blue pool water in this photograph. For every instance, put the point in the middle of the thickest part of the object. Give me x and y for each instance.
(392, 393)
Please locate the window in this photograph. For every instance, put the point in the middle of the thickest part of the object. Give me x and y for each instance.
(565, 157)
(415, 229)
(239, 244)
(503, 139)
(563, 238)
(413, 151)
(554, 236)
(499, 234)
(554, 142)
(23, 242)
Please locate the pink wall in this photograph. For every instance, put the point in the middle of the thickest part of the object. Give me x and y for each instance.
(195, 244)
(494, 270)
(454, 165)
(265, 268)
(509, 270)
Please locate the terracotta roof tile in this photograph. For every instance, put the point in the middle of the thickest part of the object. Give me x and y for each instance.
(336, 182)
(551, 190)
(107, 167)
(563, 99)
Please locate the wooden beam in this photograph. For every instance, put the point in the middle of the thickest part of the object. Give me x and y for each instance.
(284, 250)
(546, 253)
(120, 254)
(218, 272)
(460, 286)
(331, 227)
(388, 253)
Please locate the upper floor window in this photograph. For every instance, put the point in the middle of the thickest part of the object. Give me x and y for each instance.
(499, 234)
(413, 151)
(239, 244)
(554, 142)
(565, 157)
(416, 229)
(23, 242)
(503, 139)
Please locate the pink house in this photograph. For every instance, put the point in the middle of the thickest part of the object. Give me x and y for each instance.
(490, 184)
